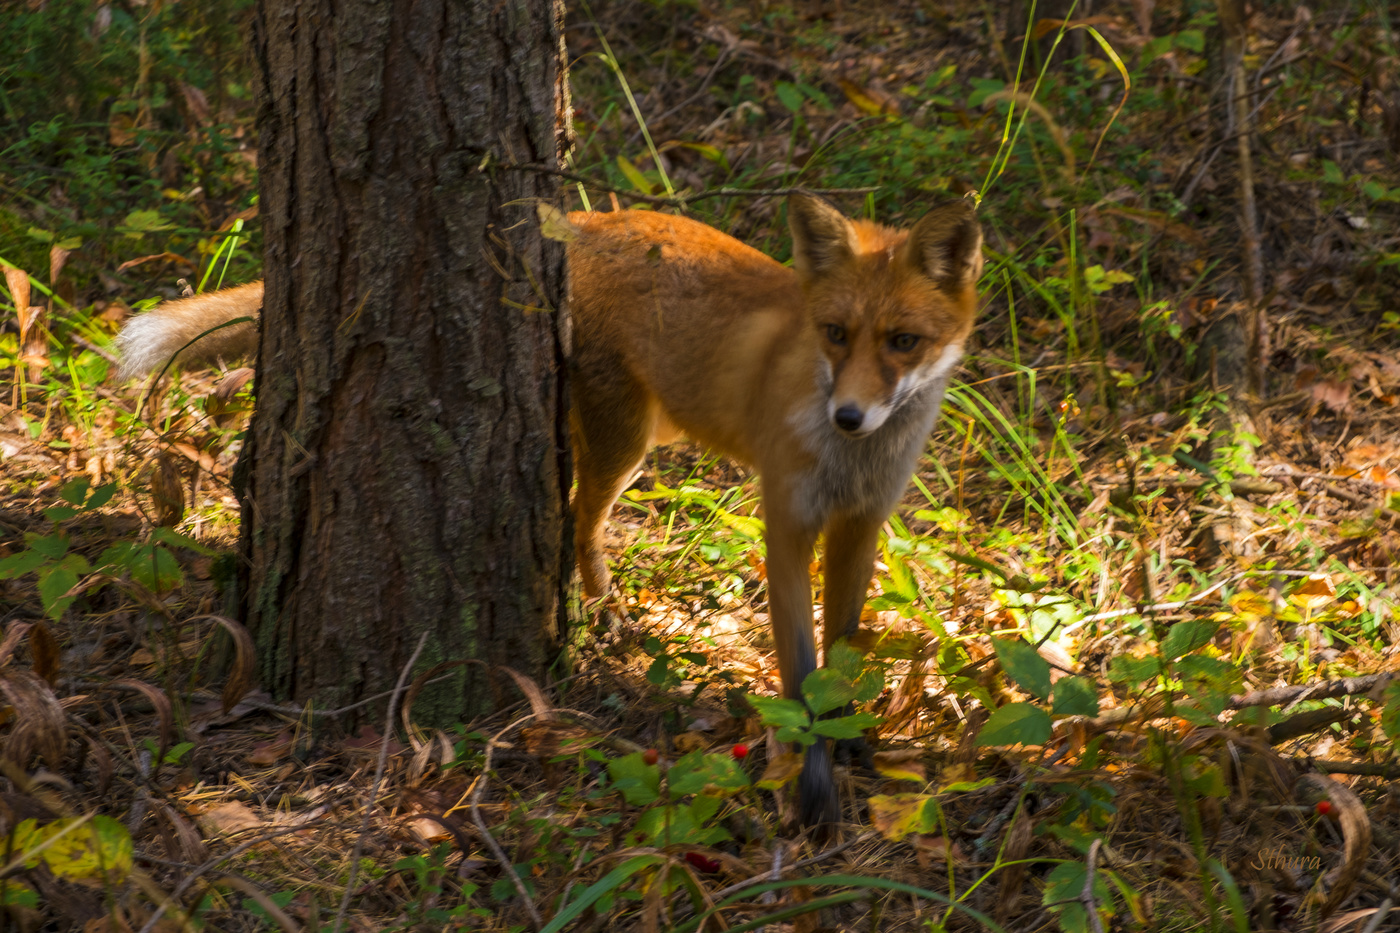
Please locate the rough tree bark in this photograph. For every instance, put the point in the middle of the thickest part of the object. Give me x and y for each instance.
(407, 469)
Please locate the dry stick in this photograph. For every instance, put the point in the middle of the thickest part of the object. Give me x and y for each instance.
(481, 827)
(680, 200)
(374, 788)
(1086, 896)
(1293, 695)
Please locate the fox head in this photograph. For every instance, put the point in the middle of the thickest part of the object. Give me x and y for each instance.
(891, 308)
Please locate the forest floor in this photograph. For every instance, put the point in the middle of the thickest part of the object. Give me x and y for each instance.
(1134, 626)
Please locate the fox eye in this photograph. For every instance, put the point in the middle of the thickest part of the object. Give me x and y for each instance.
(836, 334)
(903, 343)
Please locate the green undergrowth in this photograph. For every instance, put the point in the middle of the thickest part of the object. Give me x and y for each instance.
(1057, 655)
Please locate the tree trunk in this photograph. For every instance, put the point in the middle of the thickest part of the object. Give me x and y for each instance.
(407, 470)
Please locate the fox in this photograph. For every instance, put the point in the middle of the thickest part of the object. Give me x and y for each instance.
(825, 377)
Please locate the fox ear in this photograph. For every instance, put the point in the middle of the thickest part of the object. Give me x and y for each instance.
(946, 245)
(822, 238)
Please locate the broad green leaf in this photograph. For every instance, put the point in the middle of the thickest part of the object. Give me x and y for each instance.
(676, 825)
(1134, 672)
(19, 564)
(825, 689)
(846, 727)
(53, 584)
(1016, 724)
(75, 491)
(698, 772)
(52, 546)
(101, 496)
(638, 782)
(790, 95)
(146, 222)
(1075, 696)
(779, 711)
(1187, 636)
(1024, 665)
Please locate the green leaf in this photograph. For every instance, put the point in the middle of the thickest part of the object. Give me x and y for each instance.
(1024, 665)
(846, 727)
(825, 689)
(1155, 49)
(52, 546)
(638, 782)
(1331, 173)
(1075, 696)
(75, 491)
(678, 824)
(53, 584)
(779, 711)
(1016, 724)
(101, 496)
(139, 222)
(1193, 40)
(1187, 636)
(1134, 672)
(153, 567)
(60, 513)
(698, 772)
(634, 175)
(19, 564)
(845, 660)
(790, 95)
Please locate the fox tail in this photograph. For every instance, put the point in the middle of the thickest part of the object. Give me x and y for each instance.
(220, 325)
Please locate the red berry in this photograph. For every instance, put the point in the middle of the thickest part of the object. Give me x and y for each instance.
(702, 862)
(1323, 807)
(740, 751)
(651, 756)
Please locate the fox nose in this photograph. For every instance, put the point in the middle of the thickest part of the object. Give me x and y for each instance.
(848, 418)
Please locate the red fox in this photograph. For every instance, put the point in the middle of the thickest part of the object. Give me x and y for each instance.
(826, 378)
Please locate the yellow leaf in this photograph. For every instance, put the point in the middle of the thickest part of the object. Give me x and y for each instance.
(555, 224)
(899, 815)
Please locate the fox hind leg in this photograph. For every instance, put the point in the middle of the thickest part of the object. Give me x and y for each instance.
(613, 424)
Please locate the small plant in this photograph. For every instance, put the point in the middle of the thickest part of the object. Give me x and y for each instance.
(149, 564)
(825, 691)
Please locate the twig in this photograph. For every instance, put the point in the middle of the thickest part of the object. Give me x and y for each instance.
(680, 200)
(374, 788)
(1183, 603)
(1362, 768)
(1086, 895)
(481, 827)
(1293, 695)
